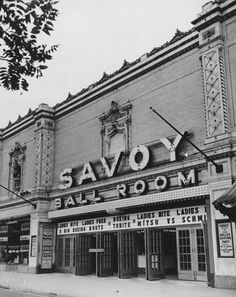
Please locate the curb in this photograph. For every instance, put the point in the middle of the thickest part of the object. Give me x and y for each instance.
(4, 287)
(48, 294)
(43, 293)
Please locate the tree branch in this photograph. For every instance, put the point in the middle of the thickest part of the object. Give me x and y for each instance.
(4, 59)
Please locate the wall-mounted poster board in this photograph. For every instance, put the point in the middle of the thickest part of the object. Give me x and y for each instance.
(46, 242)
(224, 239)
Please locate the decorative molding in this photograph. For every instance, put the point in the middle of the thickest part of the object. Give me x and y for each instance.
(16, 162)
(116, 120)
(215, 92)
(18, 152)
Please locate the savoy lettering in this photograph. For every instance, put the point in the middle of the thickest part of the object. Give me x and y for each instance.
(139, 159)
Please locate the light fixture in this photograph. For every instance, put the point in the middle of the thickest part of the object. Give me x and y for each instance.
(186, 154)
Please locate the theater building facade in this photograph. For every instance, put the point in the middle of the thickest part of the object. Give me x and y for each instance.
(114, 189)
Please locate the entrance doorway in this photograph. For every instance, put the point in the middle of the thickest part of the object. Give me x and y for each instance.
(156, 253)
(176, 252)
(191, 254)
(97, 254)
(170, 253)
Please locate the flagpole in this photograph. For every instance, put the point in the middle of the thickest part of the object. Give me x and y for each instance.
(34, 205)
(219, 167)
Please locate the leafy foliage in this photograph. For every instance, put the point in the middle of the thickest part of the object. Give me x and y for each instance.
(22, 22)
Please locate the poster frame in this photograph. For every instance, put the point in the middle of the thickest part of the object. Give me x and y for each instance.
(219, 251)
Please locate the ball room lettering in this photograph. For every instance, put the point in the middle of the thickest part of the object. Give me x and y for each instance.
(140, 187)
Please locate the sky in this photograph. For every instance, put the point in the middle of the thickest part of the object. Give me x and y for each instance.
(96, 36)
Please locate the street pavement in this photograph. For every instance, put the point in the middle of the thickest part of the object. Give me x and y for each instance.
(9, 293)
(62, 284)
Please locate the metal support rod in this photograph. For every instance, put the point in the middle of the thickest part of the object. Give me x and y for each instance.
(219, 167)
(34, 205)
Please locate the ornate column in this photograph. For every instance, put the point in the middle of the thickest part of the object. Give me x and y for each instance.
(44, 146)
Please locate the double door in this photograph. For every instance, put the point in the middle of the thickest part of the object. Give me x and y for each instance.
(128, 247)
(107, 253)
(154, 254)
(191, 254)
(96, 254)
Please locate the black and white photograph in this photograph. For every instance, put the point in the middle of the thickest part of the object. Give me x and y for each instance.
(117, 148)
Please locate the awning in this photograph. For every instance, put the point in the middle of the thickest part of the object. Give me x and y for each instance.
(226, 203)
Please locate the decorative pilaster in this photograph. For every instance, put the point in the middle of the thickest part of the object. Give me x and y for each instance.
(211, 45)
(44, 146)
(214, 92)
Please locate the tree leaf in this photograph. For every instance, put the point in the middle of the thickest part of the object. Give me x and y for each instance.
(20, 45)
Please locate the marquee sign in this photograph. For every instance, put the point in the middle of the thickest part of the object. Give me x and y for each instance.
(158, 218)
(140, 187)
(139, 158)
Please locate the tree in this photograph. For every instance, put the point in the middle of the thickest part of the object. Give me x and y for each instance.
(22, 23)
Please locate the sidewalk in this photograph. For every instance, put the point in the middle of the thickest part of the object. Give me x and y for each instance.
(92, 286)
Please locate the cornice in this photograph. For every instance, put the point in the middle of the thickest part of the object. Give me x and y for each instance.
(149, 63)
(15, 202)
(22, 123)
(218, 12)
(181, 43)
(17, 127)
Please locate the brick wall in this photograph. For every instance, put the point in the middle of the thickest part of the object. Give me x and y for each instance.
(174, 89)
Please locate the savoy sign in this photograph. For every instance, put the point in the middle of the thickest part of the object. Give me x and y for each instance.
(138, 159)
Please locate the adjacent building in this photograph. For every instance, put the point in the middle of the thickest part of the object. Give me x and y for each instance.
(110, 188)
